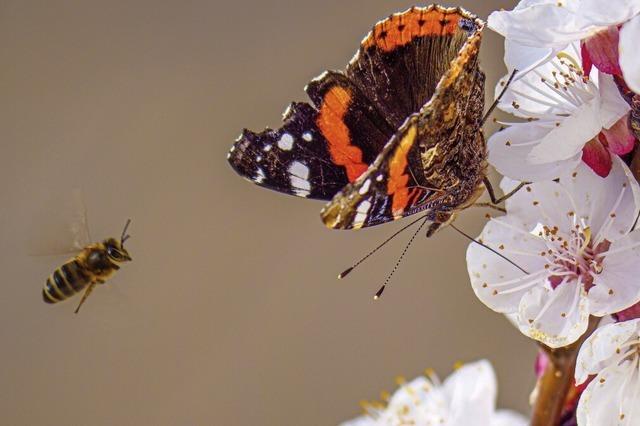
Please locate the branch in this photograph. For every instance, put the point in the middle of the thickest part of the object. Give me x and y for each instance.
(557, 380)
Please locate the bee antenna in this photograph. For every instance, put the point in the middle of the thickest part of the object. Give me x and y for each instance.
(348, 270)
(124, 237)
(488, 248)
(386, 281)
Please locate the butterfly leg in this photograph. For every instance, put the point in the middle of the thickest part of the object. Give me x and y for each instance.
(489, 206)
(492, 194)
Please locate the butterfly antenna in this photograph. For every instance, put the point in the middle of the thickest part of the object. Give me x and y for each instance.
(124, 237)
(487, 247)
(348, 270)
(635, 224)
(495, 103)
(386, 281)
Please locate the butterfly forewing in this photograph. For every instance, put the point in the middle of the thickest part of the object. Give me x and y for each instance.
(398, 132)
(435, 161)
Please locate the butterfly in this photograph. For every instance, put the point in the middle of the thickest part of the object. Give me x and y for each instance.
(396, 133)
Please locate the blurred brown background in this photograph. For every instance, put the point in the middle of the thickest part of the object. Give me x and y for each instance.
(230, 313)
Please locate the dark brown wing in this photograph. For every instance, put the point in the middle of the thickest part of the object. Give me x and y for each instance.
(435, 161)
(322, 148)
(403, 58)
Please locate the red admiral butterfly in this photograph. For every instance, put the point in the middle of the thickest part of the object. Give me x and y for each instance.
(397, 133)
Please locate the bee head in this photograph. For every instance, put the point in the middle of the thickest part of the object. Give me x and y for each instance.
(115, 249)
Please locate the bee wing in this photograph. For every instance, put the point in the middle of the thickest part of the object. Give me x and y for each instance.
(60, 226)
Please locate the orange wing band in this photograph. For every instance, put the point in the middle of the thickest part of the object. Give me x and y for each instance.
(398, 179)
(331, 123)
(399, 30)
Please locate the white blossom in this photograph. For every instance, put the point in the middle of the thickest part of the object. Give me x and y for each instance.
(467, 397)
(549, 26)
(569, 118)
(571, 254)
(629, 58)
(612, 397)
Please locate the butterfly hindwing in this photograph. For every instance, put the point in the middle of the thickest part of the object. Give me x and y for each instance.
(318, 150)
(386, 191)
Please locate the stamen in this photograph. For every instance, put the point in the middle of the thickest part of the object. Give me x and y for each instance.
(520, 287)
(517, 280)
(610, 217)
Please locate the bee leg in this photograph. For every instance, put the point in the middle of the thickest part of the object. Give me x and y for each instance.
(86, 294)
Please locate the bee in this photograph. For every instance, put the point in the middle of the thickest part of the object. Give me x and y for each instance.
(93, 265)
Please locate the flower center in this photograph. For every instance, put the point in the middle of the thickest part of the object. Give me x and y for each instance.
(573, 256)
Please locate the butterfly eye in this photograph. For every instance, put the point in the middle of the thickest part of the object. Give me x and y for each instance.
(466, 25)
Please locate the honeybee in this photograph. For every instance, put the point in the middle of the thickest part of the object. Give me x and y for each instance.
(93, 265)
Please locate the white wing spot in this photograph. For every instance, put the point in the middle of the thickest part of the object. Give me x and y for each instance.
(365, 187)
(267, 148)
(258, 158)
(379, 178)
(260, 176)
(299, 175)
(285, 142)
(307, 136)
(361, 213)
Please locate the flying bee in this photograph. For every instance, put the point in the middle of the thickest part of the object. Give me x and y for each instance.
(93, 265)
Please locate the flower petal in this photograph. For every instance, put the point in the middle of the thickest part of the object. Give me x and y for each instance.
(361, 421)
(620, 138)
(472, 392)
(602, 345)
(525, 58)
(556, 317)
(531, 96)
(612, 104)
(596, 156)
(596, 200)
(508, 418)
(536, 24)
(602, 49)
(498, 283)
(565, 203)
(617, 286)
(609, 398)
(510, 148)
(549, 23)
(587, 64)
(607, 13)
(629, 58)
(629, 314)
(567, 139)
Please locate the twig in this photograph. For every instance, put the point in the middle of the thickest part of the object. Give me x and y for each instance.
(557, 379)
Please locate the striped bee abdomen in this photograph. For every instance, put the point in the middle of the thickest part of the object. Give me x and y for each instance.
(65, 281)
